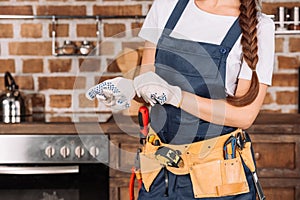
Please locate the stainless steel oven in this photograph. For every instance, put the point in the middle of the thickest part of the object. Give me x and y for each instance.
(54, 167)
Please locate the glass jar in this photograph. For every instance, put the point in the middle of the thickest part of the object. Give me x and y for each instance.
(86, 47)
(69, 47)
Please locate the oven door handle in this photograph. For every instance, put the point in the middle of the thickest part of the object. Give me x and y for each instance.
(39, 170)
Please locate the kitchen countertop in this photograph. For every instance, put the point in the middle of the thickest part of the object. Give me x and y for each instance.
(265, 123)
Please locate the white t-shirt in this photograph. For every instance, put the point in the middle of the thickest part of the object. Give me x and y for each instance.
(198, 25)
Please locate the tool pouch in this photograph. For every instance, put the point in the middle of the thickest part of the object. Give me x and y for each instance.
(211, 175)
(219, 178)
(150, 168)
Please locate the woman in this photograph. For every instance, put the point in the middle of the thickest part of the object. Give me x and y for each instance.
(213, 62)
(243, 53)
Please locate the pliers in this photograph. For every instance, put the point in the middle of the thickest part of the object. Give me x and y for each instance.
(229, 148)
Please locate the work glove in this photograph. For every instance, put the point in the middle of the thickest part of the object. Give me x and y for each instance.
(154, 90)
(116, 93)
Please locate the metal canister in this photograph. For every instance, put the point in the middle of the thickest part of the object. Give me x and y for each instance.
(86, 47)
(69, 47)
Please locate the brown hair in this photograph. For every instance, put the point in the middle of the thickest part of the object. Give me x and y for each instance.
(248, 22)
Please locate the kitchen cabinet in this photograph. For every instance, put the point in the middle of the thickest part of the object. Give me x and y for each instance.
(275, 137)
(276, 142)
(122, 155)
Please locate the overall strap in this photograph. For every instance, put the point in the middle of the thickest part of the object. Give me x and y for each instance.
(172, 21)
(232, 35)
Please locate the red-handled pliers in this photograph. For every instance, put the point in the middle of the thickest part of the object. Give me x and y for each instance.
(131, 183)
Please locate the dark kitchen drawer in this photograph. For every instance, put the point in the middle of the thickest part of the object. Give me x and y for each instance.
(275, 155)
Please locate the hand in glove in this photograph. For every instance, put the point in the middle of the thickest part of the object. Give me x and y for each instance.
(154, 89)
(116, 92)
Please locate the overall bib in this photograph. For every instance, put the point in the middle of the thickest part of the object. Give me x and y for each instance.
(199, 68)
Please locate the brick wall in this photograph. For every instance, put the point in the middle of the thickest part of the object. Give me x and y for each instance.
(282, 96)
(59, 83)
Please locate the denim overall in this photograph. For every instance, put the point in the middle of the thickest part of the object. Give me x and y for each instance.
(199, 68)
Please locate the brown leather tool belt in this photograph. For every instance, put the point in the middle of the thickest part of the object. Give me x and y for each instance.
(211, 174)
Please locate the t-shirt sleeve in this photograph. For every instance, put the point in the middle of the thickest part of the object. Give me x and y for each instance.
(156, 19)
(266, 51)
(150, 29)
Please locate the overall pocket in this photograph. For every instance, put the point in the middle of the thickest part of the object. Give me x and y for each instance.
(219, 178)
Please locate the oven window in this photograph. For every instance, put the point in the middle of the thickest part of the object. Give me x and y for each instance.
(92, 183)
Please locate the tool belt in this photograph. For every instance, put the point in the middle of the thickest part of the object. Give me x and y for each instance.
(210, 173)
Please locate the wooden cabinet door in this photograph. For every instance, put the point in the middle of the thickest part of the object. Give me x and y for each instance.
(122, 158)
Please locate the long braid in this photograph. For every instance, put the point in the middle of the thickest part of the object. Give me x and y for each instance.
(248, 22)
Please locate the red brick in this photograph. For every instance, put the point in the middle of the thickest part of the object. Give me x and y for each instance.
(133, 45)
(7, 65)
(293, 111)
(37, 101)
(33, 66)
(285, 62)
(135, 28)
(25, 82)
(31, 30)
(286, 97)
(112, 65)
(85, 103)
(88, 119)
(103, 78)
(2, 87)
(60, 119)
(16, 10)
(69, 10)
(279, 44)
(294, 44)
(268, 99)
(90, 65)
(61, 83)
(60, 65)
(86, 30)
(30, 48)
(61, 30)
(114, 30)
(60, 101)
(285, 80)
(270, 111)
(117, 10)
(6, 31)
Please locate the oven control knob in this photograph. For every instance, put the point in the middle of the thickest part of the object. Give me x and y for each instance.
(94, 151)
(50, 151)
(65, 151)
(79, 151)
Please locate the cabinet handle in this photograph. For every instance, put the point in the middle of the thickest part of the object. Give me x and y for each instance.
(257, 156)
